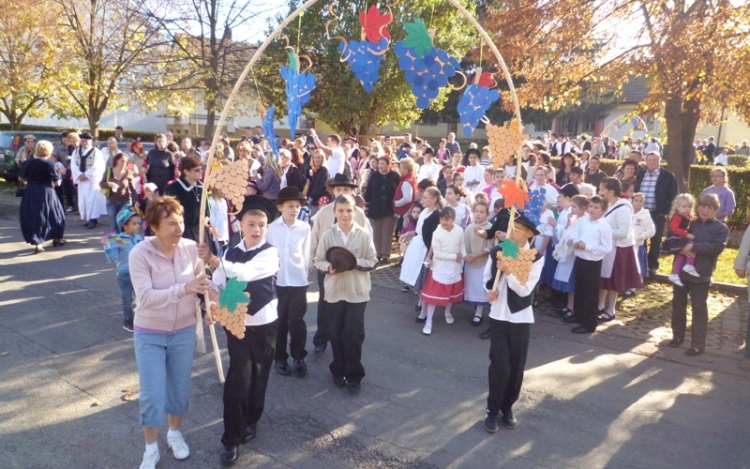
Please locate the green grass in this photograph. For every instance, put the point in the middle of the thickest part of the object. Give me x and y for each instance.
(724, 268)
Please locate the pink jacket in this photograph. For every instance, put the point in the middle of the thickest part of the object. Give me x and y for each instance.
(159, 284)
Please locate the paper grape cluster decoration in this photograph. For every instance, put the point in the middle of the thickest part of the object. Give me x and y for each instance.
(519, 261)
(364, 56)
(232, 307)
(503, 143)
(535, 205)
(425, 67)
(476, 100)
(232, 181)
(299, 85)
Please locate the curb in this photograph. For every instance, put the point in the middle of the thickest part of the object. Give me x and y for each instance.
(723, 287)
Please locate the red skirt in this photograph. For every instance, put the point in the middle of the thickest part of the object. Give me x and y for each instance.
(440, 294)
(625, 272)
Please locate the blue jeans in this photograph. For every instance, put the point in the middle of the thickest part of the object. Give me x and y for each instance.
(113, 208)
(165, 365)
(126, 293)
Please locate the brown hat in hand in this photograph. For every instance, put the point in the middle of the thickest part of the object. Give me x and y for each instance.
(341, 259)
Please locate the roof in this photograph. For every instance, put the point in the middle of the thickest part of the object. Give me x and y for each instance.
(634, 91)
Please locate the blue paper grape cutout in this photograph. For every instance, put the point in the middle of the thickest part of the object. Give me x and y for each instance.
(269, 132)
(535, 206)
(426, 74)
(298, 89)
(474, 104)
(364, 57)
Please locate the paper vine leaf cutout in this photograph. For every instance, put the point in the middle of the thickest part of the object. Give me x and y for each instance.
(231, 180)
(299, 85)
(374, 24)
(269, 131)
(476, 100)
(509, 247)
(233, 294)
(535, 206)
(426, 68)
(513, 194)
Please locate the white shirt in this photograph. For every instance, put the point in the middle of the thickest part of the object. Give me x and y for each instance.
(544, 229)
(219, 219)
(474, 173)
(293, 244)
(499, 310)
(429, 171)
(263, 265)
(335, 161)
(596, 235)
(407, 192)
(344, 236)
(643, 226)
(722, 159)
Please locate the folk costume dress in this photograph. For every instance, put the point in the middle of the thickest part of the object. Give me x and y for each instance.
(564, 280)
(474, 291)
(620, 270)
(445, 283)
(41, 213)
(416, 252)
(91, 202)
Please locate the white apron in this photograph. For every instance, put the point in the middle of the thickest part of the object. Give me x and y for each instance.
(91, 202)
(415, 254)
(474, 284)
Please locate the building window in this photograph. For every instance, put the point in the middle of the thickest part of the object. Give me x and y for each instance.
(588, 126)
(542, 126)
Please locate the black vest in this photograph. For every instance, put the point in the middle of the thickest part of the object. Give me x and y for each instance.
(261, 291)
(515, 303)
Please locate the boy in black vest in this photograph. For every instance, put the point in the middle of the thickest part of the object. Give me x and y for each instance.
(511, 317)
(255, 261)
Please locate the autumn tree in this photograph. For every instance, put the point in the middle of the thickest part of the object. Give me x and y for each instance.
(340, 99)
(31, 53)
(112, 42)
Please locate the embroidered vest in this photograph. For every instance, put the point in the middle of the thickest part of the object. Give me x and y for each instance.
(261, 291)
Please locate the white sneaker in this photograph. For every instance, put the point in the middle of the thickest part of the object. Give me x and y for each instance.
(676, 280)
(449, 318)
(149, 460)
(179, 447)
(427, 329)
(690, 270)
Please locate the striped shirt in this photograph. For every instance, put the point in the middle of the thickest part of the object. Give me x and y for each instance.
(648, 188)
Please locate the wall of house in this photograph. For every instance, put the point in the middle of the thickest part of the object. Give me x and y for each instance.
(733, 131)
(130, 119)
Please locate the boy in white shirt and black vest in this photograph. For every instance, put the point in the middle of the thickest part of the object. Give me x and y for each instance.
(256, 262)
(511, 317)
(291, 237)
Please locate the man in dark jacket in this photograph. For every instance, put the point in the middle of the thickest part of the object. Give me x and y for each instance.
(381, 189)
(659, 187)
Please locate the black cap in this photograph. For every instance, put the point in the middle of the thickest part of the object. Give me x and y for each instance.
(473, 151)
(258, 202)
(85, 136)
(341, 180)
(290, 193)
(429, 151)
(522, 220)
(569, 190)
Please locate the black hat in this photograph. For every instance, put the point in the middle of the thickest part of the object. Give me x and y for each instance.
(290, 193)
(569, 190)
(85, 136)
(525, 222)
(341, 180)
(473, 151)
(258, 202)
(341, 259)
(429, 151)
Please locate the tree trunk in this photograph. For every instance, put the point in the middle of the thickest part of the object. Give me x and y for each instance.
(682, 118)
(94, 118)
(208, 132)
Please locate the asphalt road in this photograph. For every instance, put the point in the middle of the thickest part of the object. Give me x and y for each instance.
(588, 402)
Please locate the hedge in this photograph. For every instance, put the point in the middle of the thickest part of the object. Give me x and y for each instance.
(700, 178)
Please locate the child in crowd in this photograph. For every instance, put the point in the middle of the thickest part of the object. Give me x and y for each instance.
(291, 237)
(592, 240)
(497, 206)
(474, 171)
(541, 182)
(410, 224)
(117, 249)
(477, 250)
(468, 197)
(489, 180)
(560, 281)
(565, 274)
(452, 199)
(346, 291)
(150, 192)
(498, 180)
(444, 285)
(481, 197)
(683, 210)
(587, 190)
(543, 245)
(643, 229)
(218, 217)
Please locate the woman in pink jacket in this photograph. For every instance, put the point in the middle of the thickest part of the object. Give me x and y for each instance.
(166, 277)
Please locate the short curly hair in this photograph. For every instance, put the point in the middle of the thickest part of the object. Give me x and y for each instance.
(160, 208)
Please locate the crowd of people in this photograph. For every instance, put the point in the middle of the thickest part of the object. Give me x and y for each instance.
(338, 210)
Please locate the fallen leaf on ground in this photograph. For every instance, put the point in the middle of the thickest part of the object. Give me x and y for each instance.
(4, 354)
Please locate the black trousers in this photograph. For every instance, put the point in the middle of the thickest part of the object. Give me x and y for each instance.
(250, 362)
(654, 244)
(321, 335)
(347, 332)
(292, 309)
(698, 298)
(68, 189)
(586, 301)
(509, 346)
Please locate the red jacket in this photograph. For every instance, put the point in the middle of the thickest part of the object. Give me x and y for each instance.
(401, 211)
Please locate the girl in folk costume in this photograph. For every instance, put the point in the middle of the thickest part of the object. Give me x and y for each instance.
(452, 200)
(413, 269)
(477, 250)
(643, 229)
(620, 271)
(564, 274)
(87, 167)
(474, 173)
(560, 281)
(410, 226)
(219, 216)
(444, 285)
(541, 175)
(467, 198)
(543, 244)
